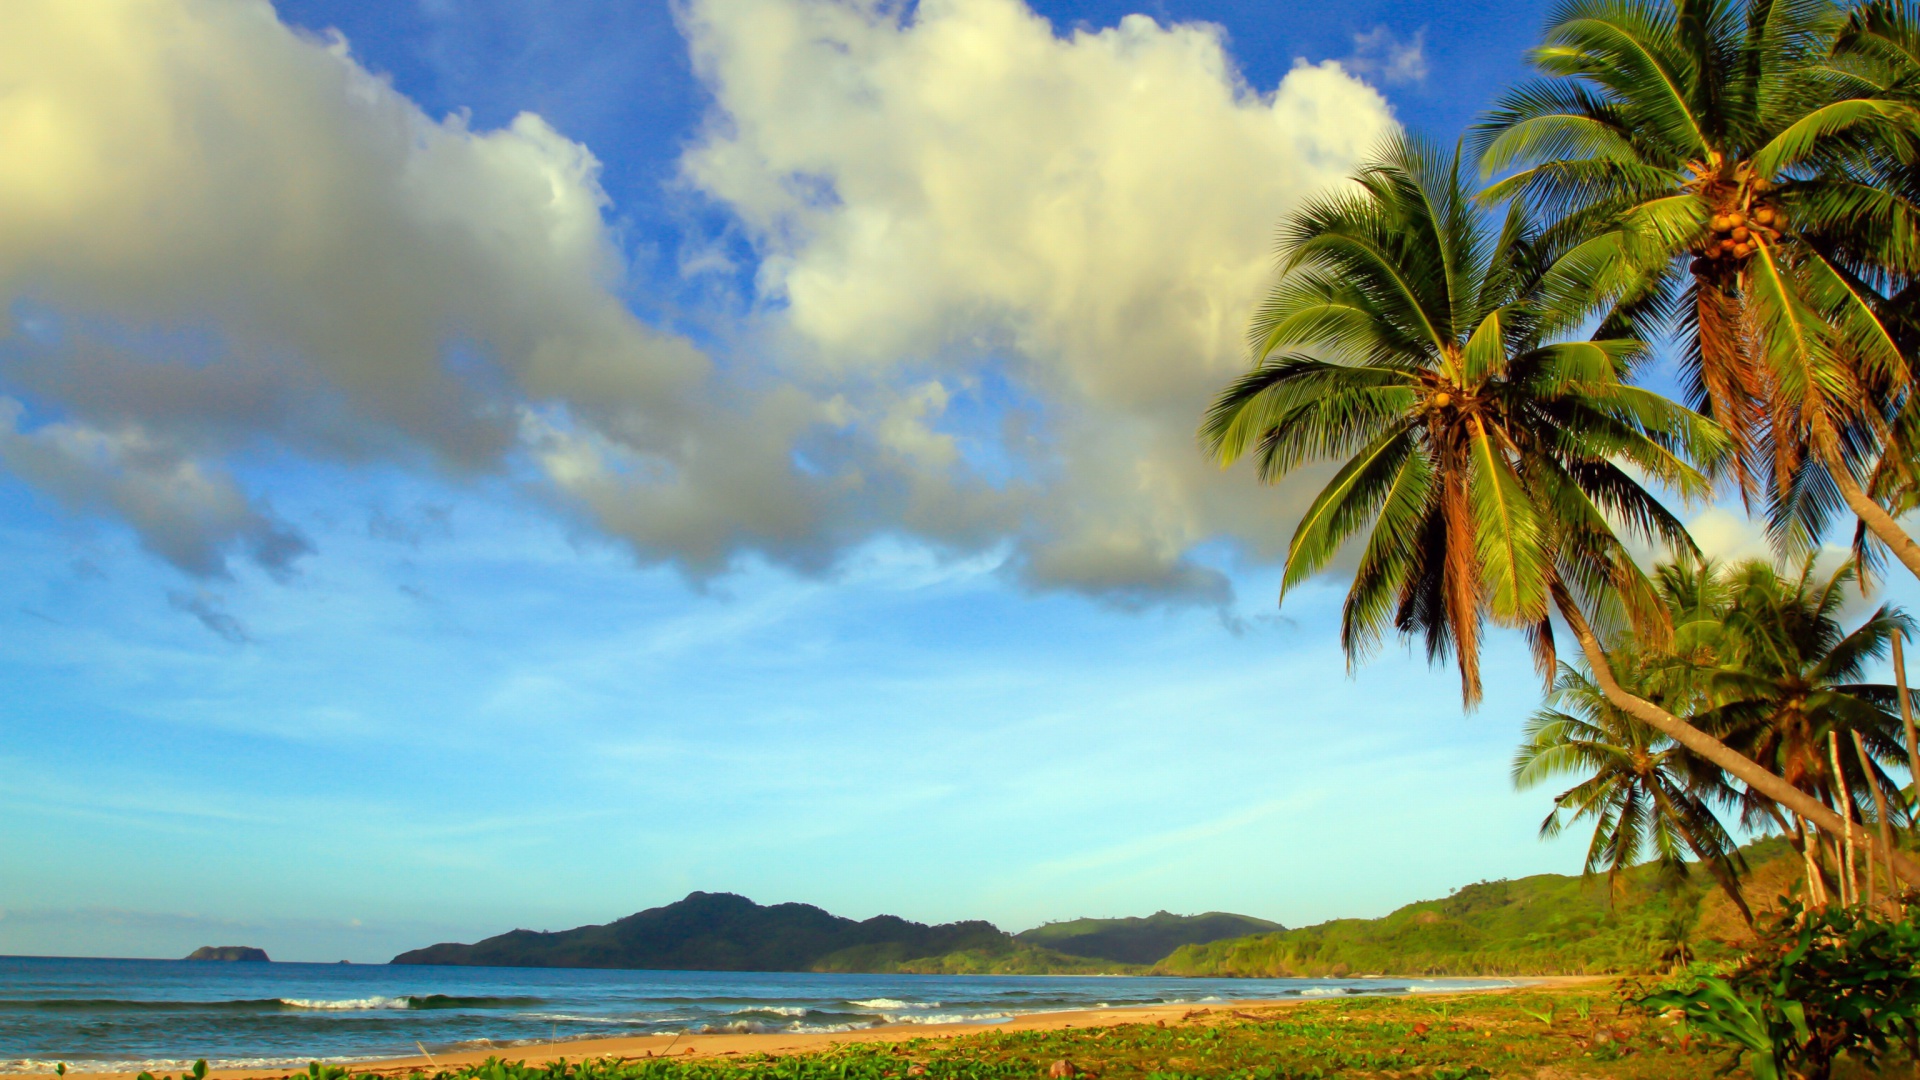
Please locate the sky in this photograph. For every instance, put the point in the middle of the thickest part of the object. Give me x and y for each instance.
(477, 465)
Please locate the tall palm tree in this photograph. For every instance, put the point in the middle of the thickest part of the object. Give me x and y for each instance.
(1484, 453)
(1645, 794)
(1728, 164)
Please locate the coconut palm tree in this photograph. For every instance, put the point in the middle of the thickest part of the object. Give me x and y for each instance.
(1486, 455)
(1788, 674)
(1728, 163)
(1646, 795)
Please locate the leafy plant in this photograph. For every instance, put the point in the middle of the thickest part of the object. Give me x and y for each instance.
(1817, 985)
(1545, 1015)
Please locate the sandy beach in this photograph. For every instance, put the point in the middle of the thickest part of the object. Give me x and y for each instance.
(720, 1045)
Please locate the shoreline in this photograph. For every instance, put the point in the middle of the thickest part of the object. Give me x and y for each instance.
(724, 1044)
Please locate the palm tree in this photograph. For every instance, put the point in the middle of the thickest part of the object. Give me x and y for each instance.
(1644, 793)
(1484, 457)
(1789, 674)
(1727, 165)
(1867, 211)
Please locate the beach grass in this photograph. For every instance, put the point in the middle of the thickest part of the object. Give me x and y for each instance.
(1562, 1033)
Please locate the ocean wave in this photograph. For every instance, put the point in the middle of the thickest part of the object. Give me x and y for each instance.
(948, 1018)
(893, 1003)
(629, 1021)
(774, 1010)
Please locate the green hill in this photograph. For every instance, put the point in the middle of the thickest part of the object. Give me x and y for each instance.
(1142, 941)
(724, 932)
(1550, 924)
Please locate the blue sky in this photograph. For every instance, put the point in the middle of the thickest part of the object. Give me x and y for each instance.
(479, 465)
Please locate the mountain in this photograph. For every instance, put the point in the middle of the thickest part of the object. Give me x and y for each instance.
(1549, 924)
(229, 953)
(1142, 941)
(724, 932)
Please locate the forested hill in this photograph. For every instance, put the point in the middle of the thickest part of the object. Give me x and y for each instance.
(1142, 941)
(724, 932)
(1550, 924)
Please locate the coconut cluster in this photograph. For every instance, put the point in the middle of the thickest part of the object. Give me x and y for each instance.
(1739, 226)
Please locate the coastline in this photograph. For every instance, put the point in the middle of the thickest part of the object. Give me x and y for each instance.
(723, 1044)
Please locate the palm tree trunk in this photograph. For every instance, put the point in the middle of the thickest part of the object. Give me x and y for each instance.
(1879, 810)
(1871, 514)
(1906, 717)
(1816, 878)
(1849, 881)
(1712, 750)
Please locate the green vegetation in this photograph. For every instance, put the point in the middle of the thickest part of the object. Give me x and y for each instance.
(1735, 178)
(724, 932)
(1549, 924)
(1593, 1033)
(1740, 180)
(1818, 984)
(1142, 941)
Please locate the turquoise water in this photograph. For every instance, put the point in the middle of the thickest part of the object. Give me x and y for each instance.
(154, 1014)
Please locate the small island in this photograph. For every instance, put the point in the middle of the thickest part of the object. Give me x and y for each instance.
(230, 953)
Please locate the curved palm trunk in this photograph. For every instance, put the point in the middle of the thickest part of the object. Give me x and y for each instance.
(1736, 764)
(1871, 514)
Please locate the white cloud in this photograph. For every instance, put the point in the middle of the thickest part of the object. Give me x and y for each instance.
(229, 234)
(1087, 218)
(1381, 54)
(1001, 273)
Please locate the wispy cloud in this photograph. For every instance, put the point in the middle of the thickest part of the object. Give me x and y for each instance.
(1383, 55)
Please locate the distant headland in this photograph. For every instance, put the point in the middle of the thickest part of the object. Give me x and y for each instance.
(724, 932)
(230, 953)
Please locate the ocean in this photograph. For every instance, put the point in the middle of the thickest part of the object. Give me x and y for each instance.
(163, 1014)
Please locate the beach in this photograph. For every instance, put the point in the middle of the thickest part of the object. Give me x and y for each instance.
(689, 1046)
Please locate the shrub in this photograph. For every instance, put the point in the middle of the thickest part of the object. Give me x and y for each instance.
(1817, 984)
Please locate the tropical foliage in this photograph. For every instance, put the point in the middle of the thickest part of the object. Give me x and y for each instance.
(1818, 984)
(1546, 924)
(1731, 185)
(1486, 454)
(1742, 172)
(1731, 180)
(1645, 794)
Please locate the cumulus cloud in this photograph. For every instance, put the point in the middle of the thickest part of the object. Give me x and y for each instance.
(958, 198)
(1000, 271)
(215, 233)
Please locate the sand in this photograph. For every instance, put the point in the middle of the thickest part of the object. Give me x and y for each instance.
(698, 1046)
